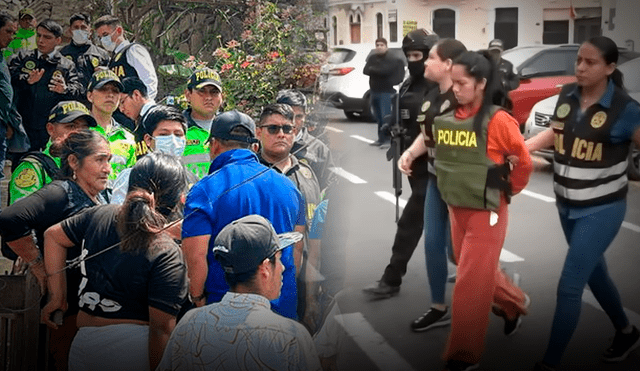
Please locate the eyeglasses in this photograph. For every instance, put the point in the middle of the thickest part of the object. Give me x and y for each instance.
(298, 117)
(275, 129)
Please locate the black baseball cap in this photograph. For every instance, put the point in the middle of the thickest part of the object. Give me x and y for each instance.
(69, 110)
(201, 78)
(244, 244)
(102, 77)
(225, 122)
(496, 44)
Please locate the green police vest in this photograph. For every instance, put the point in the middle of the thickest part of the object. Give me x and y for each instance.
(461, 163)
(30, 175)
(196, 153)
(122, 145)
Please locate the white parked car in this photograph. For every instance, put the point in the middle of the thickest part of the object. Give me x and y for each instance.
(342, 83)
(542, 112)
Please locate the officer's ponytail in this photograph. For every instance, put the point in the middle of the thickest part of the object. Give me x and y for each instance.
(609, 51)
(480, 67)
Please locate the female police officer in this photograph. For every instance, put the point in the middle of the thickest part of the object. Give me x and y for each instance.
(593, 123)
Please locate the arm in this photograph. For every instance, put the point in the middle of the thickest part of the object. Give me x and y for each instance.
(139, 58)
(56, 242)
(415, 150)
(26, 249)
(160, 326)
(504, 135)
(74, 89)
(298, 248)
(636, 137)
(542, 140)
(195, 254)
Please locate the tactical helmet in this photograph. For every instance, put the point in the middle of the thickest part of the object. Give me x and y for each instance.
(292, 97)
(419, 39)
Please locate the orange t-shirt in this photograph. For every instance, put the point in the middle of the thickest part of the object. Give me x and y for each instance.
(504, 139)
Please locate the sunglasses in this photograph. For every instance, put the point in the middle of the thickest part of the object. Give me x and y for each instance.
(275, 129)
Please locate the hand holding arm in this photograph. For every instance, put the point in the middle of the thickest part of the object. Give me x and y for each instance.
(195, 255)
(55, 244)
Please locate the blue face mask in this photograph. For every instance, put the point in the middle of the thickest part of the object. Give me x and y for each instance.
(107, 43)
(170, 144)
(80, 37)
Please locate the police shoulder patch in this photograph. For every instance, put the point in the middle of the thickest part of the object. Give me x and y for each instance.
(306, 172)
(445, 105)
(598, 119)
(26, 178)
(30, 65)
(95, 62)
(563, 110)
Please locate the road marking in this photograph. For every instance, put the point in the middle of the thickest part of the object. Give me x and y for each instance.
(509, 257)
(331, 128)
(544, 198)
(348, 176)
(587, 297)
(505, 256)
(363, 139)
(372, 343)
(633, 227)
(538, 196)
(387, 196)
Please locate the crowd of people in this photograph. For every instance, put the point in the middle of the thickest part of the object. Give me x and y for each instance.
(176, 240)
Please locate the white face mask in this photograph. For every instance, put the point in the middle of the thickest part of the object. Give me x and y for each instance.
(80, 37)
(299, 135)
(170, 144)
(107, 43)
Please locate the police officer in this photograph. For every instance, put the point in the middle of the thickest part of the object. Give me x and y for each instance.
(307, 148)
(81, 50)
(204, 94)
(104, 94)
(128, 59)
(42, 78)
(25, 38)
(36, 169)
(416, 46)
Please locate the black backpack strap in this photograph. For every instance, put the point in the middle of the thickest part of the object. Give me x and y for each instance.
(50, 167)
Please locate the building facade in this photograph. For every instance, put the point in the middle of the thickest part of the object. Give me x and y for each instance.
(476, 22)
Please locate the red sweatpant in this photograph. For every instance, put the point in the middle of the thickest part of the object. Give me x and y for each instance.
(479, 282)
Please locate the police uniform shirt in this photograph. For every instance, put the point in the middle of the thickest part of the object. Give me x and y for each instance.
(139, 59)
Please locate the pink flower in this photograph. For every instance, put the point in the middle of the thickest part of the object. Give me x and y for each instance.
(221, 53)
(245, 64)
(226, 67)
(232, 44)
(274, 55)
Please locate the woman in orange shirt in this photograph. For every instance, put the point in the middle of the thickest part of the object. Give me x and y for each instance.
(481, 160)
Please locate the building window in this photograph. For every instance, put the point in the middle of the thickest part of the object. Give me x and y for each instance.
(354, 23)
(393, 25)
(334, 28)
(506, 26)
(444, 23)
(379, 26)
(555, 32)
(587, 24)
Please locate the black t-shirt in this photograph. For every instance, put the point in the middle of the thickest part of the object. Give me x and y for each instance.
(123, 285)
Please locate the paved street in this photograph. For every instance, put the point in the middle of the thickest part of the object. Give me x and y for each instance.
(378, 334)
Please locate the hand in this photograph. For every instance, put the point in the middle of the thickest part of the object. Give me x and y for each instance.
(405, 162)
(41, 275)
(57, 85)
(49, 309)
(9, 133)
(513, 161)
(35, 76)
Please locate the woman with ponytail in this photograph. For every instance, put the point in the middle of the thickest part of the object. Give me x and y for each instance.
(133, 274)
(593, 124)
(480, 162)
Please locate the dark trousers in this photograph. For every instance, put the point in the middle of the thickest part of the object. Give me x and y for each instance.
(409, 231)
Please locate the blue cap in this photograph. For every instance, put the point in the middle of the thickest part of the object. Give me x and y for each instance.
(225, 122)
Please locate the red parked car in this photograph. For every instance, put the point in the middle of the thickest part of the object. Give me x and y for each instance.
(543, 69)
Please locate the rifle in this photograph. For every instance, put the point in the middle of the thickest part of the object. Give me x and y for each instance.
(397, 132)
